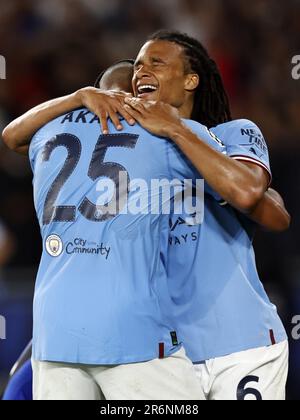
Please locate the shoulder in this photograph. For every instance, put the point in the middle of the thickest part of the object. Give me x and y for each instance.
(194, 125)
(235, 125)
(241, 131)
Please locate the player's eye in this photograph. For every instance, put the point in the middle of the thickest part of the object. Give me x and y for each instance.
(157, 62)
(137, 66)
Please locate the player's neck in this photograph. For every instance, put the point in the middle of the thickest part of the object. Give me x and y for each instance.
(186, 109)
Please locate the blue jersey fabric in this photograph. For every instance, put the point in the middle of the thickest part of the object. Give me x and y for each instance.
(245, 142)
(101, 295)
(20, 385)
(221, 305)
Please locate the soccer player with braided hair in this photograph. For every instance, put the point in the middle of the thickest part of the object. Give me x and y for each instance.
(230, 329)
(232, 332)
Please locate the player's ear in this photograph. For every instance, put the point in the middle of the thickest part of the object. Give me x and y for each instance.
(191, 82)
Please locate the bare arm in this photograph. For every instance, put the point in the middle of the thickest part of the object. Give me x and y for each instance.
(239, 184)
(266, 208)
(17, 135)
(242, 185)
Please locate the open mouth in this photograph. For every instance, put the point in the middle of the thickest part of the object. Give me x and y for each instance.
(145, 90)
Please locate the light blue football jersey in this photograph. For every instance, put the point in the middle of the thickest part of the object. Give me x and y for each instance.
(221, 305)
(101, 295)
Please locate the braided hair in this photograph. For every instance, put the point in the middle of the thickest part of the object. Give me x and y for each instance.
(211, 104)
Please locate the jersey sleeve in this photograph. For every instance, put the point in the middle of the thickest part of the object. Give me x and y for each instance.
(245, 142)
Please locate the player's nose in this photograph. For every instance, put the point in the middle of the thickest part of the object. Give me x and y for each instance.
(142, 71)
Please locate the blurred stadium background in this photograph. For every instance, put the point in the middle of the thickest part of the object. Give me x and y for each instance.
(54, 47)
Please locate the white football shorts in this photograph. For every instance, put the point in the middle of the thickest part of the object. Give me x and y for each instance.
(258, 374)
(172, 378)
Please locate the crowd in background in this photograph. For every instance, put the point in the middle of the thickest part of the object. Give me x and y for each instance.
(54, 47)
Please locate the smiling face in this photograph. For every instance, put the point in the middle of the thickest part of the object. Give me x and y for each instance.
(161, 73)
